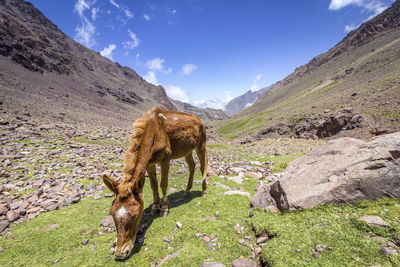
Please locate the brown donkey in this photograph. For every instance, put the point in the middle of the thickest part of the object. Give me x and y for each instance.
(160, 135)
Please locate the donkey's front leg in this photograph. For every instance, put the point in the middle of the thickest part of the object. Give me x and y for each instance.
(164, 186)
(151, 170)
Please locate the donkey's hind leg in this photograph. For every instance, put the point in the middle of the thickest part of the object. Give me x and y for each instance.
(203, 158)
(151, 170)
(164, 186)
(192, 165)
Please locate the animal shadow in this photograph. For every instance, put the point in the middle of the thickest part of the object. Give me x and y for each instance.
(175, 200)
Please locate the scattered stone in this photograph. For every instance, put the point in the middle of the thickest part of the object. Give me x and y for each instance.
(3, 210)
(97, 196)
(179, 225)
(206, 239)
(49, 204)
(237, 179)
(216, 184)
(107, 221)
(216, 214)
(198, 235)
(108, 195)
(243, 263)
(320, 248)
(315, 254)
(236, 192)
(85, 241)
(112, 250)
(388, 251)
(170, 256)
(298, 250)
(51, 227)
(12, 215)
(212, 264)
(166, 240)
(209, 218)
(373, 220)
(262, 239)
(3, 225)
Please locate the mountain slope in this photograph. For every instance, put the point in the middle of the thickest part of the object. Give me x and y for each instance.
(358, 76)
(244, 101)
(46, 74)
(207, 114)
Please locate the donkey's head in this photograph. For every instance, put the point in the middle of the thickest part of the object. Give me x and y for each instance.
(127, 211)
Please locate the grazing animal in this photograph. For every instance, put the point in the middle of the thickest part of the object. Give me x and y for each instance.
(160, 135)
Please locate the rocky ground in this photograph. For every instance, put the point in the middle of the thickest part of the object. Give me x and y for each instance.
(48, 166)
(56, 169)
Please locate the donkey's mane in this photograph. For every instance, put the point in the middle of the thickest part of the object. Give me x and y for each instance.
(131, 156)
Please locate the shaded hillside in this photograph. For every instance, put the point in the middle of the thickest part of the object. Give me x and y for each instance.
(244, 101)
(358, 77)
(207, 114)
(46, 74)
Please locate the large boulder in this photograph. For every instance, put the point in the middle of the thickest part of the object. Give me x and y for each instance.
(343, 170)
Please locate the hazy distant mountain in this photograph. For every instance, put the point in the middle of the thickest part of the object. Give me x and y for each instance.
(46, 74)
(206, 114)
(361, 73)
(244, 101)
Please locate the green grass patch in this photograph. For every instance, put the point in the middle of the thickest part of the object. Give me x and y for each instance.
(30, 245)
(349, 240)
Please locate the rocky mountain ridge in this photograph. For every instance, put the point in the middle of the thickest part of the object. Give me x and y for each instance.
(360, 73)
(244, 101)
(48, 75)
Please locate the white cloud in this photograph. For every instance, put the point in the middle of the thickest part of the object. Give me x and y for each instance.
(94, 13)
(138, 61)
(146, 17)
(112, 2)
(258, 77)
(349, 28)
(177, 93)
(374, 7)
(156, 64)
(134, 42)
(128, 13)
(255, 86)
(81, 6)
(86, 30)
(108, 51)
(188, 69)
(217, 103)
(150, 76)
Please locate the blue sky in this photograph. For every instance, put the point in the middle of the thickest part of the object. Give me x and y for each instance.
(207, 52)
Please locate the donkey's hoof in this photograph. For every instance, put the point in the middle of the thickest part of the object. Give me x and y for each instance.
(186, 193)
(164, 212)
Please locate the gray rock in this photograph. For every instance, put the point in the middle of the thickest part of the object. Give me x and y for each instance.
(49, 204)
(216, 184)
(320, 248)
(12, 215)
(3, 210)
(3, 225)
(262, 239)
(237, 192)
(108, 221)
(373, 220)
(237, 179)
(343, 170)
(97, 196)
(212, 264)
(85, 241)
(179, 225)
(243, 263)
(388, 251)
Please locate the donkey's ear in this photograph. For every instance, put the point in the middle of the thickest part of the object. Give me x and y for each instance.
(110, 183)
